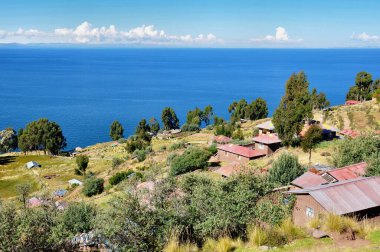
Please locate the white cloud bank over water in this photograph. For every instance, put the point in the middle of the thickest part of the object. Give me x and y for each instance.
(281, 36)
(364, 37)
(85, 33)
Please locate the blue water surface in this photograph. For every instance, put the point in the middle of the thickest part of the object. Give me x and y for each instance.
(85, 89)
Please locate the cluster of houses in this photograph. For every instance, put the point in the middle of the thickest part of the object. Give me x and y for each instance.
(264, 144)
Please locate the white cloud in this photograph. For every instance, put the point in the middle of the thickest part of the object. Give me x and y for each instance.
(365, 37)
(85, 33)
(281, 36)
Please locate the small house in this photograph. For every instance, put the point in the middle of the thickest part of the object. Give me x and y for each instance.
(328, 132)
(352, 102)
(358, 197)
(348, 133)
(60, 193)
(32, 164)
(307, 180)
(266, 127)
(222, 139)
(36, 202)
(236, 153)
(75, 182)
(267, 143)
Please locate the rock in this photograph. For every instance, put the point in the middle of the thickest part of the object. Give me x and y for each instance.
(318, 234)
(264, 248)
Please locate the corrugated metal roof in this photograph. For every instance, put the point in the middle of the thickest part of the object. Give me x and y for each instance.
(241, 150)
(308, 179)
(222, 139)
(349, 172)
(347, 196)
(267, 139)
(266, 125)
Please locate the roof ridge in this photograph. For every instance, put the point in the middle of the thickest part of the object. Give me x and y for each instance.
(342, 182)
(345, 167)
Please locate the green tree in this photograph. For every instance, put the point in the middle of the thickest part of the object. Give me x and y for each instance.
(8, 140)
(194, 117)
(238, 134)
(82, 164)
(42, 135)
(154, 125)
(364, 82)
(23, 191)
(319, 100)
(208, 112)
(225, 129)
(353, 94)
(169, 119)
(143, 130)
(294, 108)
(285, 169)
(237, 110)
(312, 137)
(116, 131)
(258, 109)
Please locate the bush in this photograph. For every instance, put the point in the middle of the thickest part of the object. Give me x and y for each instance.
(163, 148)
(325, 154)
(177, 145)
(93, 186)
(212, 149)
(140, 155)
(190, 127)
(190, 160)
(120, 176)
(170, 158)
(122, 140)
(116, 162)
(285, 169)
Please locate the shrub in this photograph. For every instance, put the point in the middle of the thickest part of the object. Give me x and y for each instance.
(190, 127)
(255, 132)
(285, 169)
(140, 155)
(116, 162)
(325, 154)
(212, 149)
(290, 231)
(82, 163)
(170, 158)
(93, 186)
(177, 145)
(122, 140)
(163, 148)
(190, 160)
(120, 176)
(223, 244)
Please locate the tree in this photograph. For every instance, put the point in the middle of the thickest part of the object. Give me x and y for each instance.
(237, 110)
(208, 112)
(353, 94)
(319, 101)
(42, 135)
(23, 191)
(142, 131)
(312, 137)
(82, 163)
(294, 108)
(238, 134)
(8, 140)
(154, 125)
(285, 169)
(194, 117)
(116, 131)
(169, 119)
(363, 81)
(258, 109)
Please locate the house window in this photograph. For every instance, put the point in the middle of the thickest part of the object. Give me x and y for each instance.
(261, 146)
(309, 212)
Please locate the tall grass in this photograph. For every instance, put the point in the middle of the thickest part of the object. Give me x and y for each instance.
(174, 246)
(223, 244)
(290, 231)
(256, 236)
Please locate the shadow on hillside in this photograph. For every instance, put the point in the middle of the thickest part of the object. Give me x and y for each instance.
(6, 160)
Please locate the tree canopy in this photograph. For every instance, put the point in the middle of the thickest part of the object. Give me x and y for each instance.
(257, 109)
(285, 169)
(42, 135)
(154, 125)
(8, 140)
(294, 108)
(364, 87)
(312, 137)
(169, 119)
(116, 131)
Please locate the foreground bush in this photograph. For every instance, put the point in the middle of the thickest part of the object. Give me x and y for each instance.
(285, 169)
(190, 160)
(93, 186)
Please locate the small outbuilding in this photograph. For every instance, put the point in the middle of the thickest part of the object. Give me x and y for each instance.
(32, 164)
(75, 182)
(60, 193)
(358, 197)
(267, 143)
(222, 139)
(237, 153)
(266, 127)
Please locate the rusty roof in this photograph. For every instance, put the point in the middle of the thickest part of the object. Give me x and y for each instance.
(241, 150)
(226, 171)
(346, 196)
(349, 172)
(308, 179)
(267, 139)
(222, 139)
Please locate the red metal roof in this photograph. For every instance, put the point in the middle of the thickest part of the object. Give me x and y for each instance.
(308, 179)
(267, 139)
(241, 150)
(352, 102)
(222, 139)
(349, 172)
(350, 133)
(346, 196)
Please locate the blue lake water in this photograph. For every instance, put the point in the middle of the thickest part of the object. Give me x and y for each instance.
(84, 90)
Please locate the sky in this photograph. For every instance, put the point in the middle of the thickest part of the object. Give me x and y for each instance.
(193, 23)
